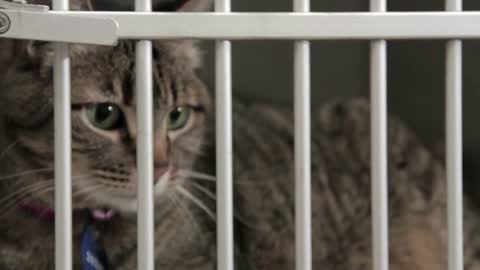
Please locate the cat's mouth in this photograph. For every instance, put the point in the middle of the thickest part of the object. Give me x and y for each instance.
(102, 214)
(159, 172)
(105, 205)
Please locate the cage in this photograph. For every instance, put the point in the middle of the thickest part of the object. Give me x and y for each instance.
(297, 54)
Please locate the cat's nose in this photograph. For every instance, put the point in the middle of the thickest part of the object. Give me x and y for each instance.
(158, 172)
(161, 152)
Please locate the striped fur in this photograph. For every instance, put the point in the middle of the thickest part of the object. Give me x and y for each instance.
(104, 173)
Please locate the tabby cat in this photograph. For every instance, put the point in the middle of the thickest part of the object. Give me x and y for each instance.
(104, 171)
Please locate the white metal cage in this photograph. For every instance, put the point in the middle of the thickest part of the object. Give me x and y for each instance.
(223, 26)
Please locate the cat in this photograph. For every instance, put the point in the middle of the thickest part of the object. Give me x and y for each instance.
(104, 171)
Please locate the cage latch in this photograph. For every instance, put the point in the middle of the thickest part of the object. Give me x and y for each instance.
(19, 20)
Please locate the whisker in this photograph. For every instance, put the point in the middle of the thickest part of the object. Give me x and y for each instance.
(204, 190)
(24, 190)
(6, 177)
(27, 189)
(8, 148)
(85, 190)
(115, 185)
(196, 201)
(87, 197)
(109, 174)
(212, 196)
(13, 200)
(41, 192)
(186, 212)
(197, 175)
(205, 177)
(34, 189)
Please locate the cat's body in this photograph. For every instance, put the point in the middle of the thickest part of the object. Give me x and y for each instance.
(104, 171)
(341, 192)
(264, 188)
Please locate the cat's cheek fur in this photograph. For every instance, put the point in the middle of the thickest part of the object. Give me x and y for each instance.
(194, 122)
(121, 204)
(129, 205)
(162, 185)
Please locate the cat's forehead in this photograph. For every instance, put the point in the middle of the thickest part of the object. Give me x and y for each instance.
(107, 74)
(98, 73)
(180, 54)
(100, 59)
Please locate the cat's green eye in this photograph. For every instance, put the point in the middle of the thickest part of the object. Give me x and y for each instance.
(106, 116)
(178, 118)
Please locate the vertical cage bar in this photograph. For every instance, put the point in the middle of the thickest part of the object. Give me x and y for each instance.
(379, 144)
(144, 96)
(63, 160)
(224, 148)
(303, 224)
(454, 147)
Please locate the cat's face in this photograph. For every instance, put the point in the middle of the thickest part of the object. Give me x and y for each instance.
(104, 123)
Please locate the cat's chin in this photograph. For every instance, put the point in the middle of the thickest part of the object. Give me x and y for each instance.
(123, 205)
(102, 203)
(124, 202)
(117, 204)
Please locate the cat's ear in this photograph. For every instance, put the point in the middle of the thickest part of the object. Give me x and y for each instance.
(196, 6)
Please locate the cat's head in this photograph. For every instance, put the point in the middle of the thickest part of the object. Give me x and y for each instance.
(104, 122)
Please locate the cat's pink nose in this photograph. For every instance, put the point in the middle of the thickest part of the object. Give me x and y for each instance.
(158, 172)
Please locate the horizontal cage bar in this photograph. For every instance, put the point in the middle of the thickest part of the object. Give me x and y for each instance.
(320, 26)
(50, 26)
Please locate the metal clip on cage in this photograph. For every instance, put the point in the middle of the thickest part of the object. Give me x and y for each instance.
(36, 22)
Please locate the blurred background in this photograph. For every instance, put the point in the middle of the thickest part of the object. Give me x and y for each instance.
(263, 70)
(416, 72)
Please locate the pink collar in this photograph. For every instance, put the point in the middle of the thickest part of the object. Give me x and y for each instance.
(48, 214)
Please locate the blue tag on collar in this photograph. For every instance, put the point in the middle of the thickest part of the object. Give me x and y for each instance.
(93, 255)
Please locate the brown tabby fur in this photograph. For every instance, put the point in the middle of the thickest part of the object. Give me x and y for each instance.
(105, 173)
